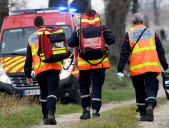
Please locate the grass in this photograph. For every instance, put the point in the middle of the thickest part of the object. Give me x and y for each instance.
(120, 117)
(19, 113)
(166, 48)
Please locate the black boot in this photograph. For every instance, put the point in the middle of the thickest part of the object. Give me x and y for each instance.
(143, 115)
(86, 114)
(51, 118)
(95, 114)
(150, 110)
(45, 121)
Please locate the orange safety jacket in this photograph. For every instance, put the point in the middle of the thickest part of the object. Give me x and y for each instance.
(144, 57)
(82, 64)
(38, 65)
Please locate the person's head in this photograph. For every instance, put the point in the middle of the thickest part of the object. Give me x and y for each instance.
(137, 18)
(38, 22)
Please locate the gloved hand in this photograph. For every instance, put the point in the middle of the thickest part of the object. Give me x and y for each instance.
(167, 71)
(120, 75)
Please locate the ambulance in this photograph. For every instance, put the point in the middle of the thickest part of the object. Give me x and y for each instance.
(14, 35)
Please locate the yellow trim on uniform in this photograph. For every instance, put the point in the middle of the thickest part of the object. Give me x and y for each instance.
(92, 61)
(43, 63)
(131, 28)
(63, 48)
(144, 48)
(144, 64)
(75, 72)
(90, 21)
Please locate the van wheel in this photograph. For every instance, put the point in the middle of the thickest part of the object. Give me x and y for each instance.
(76, 98)
(167, 94)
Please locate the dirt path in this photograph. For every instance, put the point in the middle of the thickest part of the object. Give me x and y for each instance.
(66, 121)
(161, 115)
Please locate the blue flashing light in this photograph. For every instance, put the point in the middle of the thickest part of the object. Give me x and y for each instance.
(63, 8)
(72, 10)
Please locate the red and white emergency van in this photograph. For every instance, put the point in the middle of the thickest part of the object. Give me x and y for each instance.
(13, 43)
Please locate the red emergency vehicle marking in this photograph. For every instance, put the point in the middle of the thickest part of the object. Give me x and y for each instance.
(21, 69)
(13, 61)
(15, 68)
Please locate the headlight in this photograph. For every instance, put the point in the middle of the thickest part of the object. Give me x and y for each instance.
(66, 72)
(3, 77)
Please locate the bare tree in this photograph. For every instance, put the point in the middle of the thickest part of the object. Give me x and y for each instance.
(56, 3)
(156, 11)
(7, 5)
(81, 5)
(4, 10)
(135, 6)
(116, 12)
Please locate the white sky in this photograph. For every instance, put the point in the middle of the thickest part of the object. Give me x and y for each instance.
(98, 5)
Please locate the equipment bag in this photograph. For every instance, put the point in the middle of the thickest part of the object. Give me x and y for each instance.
(92, 44)
(165, 77)
(52, 45)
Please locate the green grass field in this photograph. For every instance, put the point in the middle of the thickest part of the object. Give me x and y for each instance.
(120, 117)
(19, 113)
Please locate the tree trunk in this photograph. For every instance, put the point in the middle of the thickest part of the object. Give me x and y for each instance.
(156, 13)
(135, 6)
(57, 3)
(81, 5)
(4, 10)
(116, 12)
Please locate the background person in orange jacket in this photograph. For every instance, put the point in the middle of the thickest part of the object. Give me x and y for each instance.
(47, 74)
(145, 61)
(91, 75)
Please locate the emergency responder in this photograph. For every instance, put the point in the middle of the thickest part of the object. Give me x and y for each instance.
(91, 74)
(47, 74)
(145, 60)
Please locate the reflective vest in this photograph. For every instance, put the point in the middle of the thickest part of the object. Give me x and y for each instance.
(83, 65)
(38, 65)
(144, 57)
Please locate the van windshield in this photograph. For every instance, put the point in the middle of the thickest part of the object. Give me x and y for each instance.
(15, 41)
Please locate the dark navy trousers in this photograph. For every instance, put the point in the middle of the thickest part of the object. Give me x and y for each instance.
(48, 82)
(96, 78)
(146, 89)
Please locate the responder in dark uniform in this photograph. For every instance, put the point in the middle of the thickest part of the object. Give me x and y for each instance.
(47, 74)
(145, 61)
(91, 75)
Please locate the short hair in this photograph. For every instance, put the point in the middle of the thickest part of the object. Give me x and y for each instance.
(38, 21)
(137, 18)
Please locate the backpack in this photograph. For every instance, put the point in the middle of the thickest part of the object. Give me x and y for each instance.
(52, 45)
(92, 43)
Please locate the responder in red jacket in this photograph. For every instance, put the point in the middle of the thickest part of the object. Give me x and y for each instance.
(47, 74)
(91, 75)
(145, 60)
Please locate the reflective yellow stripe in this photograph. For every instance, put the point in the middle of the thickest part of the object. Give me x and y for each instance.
(13, 59)
(34, 49)
(43, 63)
(151, 42)
(46, 32)
(144, 48)
(145, 64)
(131, 28)
(17, 67)
(90, 21)
(59, 48)
(59, 52)
(42, 58)
(91, 61)
(75, 72)
(6, 59)
(14, 63)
